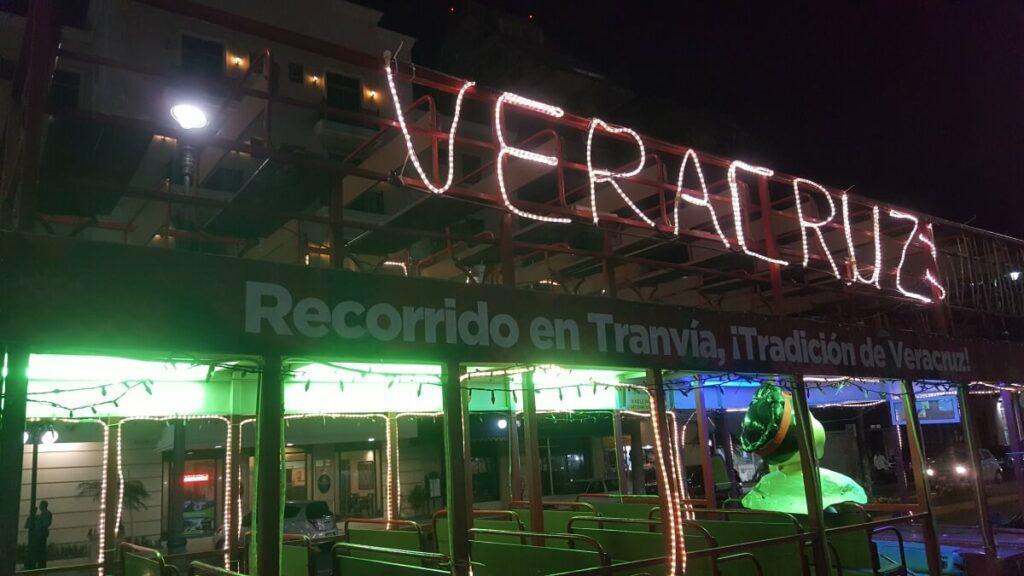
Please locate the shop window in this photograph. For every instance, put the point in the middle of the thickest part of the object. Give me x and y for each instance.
(64, 90)
(296, 486)
(200, 497)
(295, 72)
(344, 92)
(202, 58)
(358, 490)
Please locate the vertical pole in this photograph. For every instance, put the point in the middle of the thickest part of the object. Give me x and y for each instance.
(620, 453)
(725, 441)
(175, 498)
(459, 501)
(707, 472)
(988, 541)
(506, 252)
(269, 503)
(764, 198)
(34, 432)
(336, 212)
(901, 468)
(637, 458)
(864, 466)
(515, 463)
(12, 453)
(812, 481)
(1012, 415)
(533, 483)
(917, 460)
(395, 505)
(668, 480)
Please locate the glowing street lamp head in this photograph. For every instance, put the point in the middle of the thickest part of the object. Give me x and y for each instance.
(49, 436)
(502, 424)
(1015, 275)
(189, 116)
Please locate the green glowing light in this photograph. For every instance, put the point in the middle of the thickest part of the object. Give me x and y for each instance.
(355, 388)
(561, 388)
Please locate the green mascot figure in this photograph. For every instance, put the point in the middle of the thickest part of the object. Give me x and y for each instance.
(770, 431)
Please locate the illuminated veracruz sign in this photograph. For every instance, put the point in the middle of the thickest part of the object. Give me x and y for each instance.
(810, 230)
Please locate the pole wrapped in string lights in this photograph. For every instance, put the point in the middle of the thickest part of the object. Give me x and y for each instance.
(598, 176)
(814, 226)
(413, 156)
(737, 208)
(704, 201)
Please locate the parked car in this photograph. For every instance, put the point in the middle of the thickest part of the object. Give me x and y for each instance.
(954, 467)
(312, 518)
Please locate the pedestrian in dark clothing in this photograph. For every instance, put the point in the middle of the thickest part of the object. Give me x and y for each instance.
(38, 526)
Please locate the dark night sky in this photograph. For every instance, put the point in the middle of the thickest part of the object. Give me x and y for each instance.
(916, 103)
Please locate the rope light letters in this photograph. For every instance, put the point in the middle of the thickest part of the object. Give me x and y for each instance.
(802, 187)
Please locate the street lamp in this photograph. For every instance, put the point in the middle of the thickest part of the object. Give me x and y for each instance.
(34, 434)
(190, 118)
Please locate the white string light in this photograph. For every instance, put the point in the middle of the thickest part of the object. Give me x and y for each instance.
(815, 226)
(396, 264)
(408, 137)
(228, 450)
(674, 526)
(855, 275)
(737, 214)
(704, 202)
(120, 456)
(599, 176)
(903, 257)
(935, 258)
(506, 150)
(101, 537)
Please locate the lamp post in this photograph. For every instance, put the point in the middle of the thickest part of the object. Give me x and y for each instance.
(36, 433)
(190, 118)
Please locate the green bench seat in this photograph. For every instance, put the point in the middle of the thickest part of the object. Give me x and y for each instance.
(503, 553)
(362, 560)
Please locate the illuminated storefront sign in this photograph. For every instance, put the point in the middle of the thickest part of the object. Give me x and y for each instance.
(602, 178)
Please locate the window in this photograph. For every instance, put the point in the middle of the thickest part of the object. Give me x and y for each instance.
(202, 58)
(344, 92)
(64, 90)
(295, 72)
